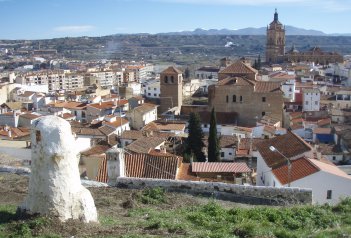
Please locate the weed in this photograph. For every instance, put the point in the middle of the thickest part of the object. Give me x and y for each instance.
(153, 196)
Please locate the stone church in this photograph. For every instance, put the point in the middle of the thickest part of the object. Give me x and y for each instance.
(275, 48)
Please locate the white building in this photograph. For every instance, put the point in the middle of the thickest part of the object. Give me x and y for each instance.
(142, 115)
(106, 79)
(288, 88)
(151, 89)
(329, 184)
(311, 99)
(207, 72)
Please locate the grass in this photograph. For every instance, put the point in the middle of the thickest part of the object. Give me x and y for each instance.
(212, 220)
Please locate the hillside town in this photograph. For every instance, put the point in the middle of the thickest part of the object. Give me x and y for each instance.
(280, 121)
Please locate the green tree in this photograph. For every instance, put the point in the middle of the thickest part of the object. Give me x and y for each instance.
(187, 73)
(194, 143)
(213, 149)
(259, 62)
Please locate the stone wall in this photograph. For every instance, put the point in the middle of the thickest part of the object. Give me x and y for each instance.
(236, 193)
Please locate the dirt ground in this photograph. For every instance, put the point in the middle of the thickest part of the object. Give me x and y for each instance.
(113, 205)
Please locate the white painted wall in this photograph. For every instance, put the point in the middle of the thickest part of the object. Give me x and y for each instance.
(322, 181)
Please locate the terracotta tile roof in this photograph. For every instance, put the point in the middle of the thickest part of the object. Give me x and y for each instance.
(320, 130)
(95, 150)
(132, 135)
(164, 126)
(227, 141)
(185, 173)
(171, 70)
(144, 144)
(290, 145)
(326, 149)
(324, 122)
(27, 94)
(149, 166)
(267, 87)
(244, 143)
(329, 168)
(120, 121)
(159, 153)
(222, 117)
(219, 167)
(300, 168)
(69, 105)
(30, 116)
(107, 130)
(295, 114)
(109, 104)
(102, 175)
(16, 133)
(238, 67)
(67, 115)
(237, 81)
(145, 108)
(87, 131)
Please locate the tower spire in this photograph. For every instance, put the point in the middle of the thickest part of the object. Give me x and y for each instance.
(276, 15)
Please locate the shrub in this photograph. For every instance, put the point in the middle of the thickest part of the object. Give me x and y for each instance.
(153, 196)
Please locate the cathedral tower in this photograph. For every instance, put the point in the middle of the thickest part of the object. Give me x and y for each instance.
(275, 47)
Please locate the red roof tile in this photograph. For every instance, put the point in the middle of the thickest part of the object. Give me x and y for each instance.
(238, 67)
(290, 145)
(300, 168)
(218, 167)
(149, 166)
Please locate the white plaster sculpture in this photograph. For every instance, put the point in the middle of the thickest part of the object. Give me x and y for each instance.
(54, 187)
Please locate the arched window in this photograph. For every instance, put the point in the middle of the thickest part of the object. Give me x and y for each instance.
(234, 98)
(172, 79)
(166, 79)
(241, 98)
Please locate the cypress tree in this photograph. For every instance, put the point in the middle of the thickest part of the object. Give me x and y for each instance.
(259, 62)
(194, 143)
(213, 149)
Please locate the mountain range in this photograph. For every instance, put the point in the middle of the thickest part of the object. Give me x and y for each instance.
(290, 30)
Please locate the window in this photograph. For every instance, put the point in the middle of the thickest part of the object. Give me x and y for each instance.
(205, 125)
(329, 194)
(172, 79)
(241, 98)
(222, 154)
(230, 153)
(227, 98)
(154, 89)
(306, 103)
(334, 158)
(148, 88)
(263, 113)
(263, 99)
(149, 94)
(166, 79)
(234, 98)
(316, 103)
(155, 94)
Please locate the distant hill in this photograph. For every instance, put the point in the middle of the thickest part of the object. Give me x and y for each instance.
(290, 30)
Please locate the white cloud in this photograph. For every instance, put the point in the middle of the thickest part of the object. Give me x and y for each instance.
(74, 29)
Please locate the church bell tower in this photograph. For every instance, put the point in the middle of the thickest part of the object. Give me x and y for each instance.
(275, 46)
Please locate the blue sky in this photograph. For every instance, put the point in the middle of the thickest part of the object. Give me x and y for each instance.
(40, 19)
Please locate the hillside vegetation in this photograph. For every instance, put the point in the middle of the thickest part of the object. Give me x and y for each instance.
(155, 213)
